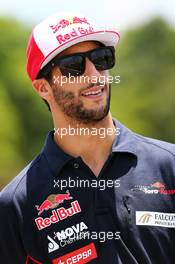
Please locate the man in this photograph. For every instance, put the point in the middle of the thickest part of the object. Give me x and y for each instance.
(87, 197)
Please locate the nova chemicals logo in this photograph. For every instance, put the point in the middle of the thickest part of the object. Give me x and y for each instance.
(67, 236)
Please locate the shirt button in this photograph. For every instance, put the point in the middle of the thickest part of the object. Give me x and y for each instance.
(76, 165)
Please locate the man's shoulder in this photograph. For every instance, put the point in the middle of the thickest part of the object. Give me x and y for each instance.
(153, 145)
(137, 143)
(18, 184)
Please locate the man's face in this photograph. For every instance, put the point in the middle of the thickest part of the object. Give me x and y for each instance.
(75, 98)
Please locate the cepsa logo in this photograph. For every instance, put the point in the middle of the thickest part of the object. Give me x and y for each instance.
(155, 188)
(59, 214)
(81, 256)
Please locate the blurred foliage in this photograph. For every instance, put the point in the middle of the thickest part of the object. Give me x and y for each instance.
(24, 119)
(144, 100)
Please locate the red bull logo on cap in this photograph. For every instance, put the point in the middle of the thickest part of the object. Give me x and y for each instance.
(64, 23)
(70, 28)
(74, 33)
(53, 201)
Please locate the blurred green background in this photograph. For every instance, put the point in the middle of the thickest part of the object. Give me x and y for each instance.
(144, 101)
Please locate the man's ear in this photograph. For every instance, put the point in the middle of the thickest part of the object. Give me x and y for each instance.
(42, 87)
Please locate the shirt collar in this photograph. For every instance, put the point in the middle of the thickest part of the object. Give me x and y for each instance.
(124, 142)
(55, 156)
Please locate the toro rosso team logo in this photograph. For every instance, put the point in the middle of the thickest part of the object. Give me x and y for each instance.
(154, 188)
(59, 214)
(53, 201)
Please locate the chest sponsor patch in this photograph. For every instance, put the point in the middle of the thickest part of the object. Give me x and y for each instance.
(154, 188)
(148, 218)
(80, 256)
(53, 201)
(57, 215)
(67, 236)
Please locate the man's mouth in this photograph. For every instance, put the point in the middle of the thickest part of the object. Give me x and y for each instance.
(93, 92)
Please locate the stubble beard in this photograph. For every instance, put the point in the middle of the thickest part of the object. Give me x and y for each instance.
(74, 109)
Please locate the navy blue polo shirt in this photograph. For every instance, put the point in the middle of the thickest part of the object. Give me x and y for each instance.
(57, 211)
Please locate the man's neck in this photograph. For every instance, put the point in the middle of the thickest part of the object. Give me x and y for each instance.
(93, 143)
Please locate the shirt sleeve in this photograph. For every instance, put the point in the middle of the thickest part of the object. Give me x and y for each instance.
(11, 246)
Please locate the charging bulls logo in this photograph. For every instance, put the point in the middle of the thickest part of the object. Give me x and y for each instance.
(64, 23)
(53, 201)
(158, 185)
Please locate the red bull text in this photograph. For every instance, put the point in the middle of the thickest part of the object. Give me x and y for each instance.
(57, 215)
